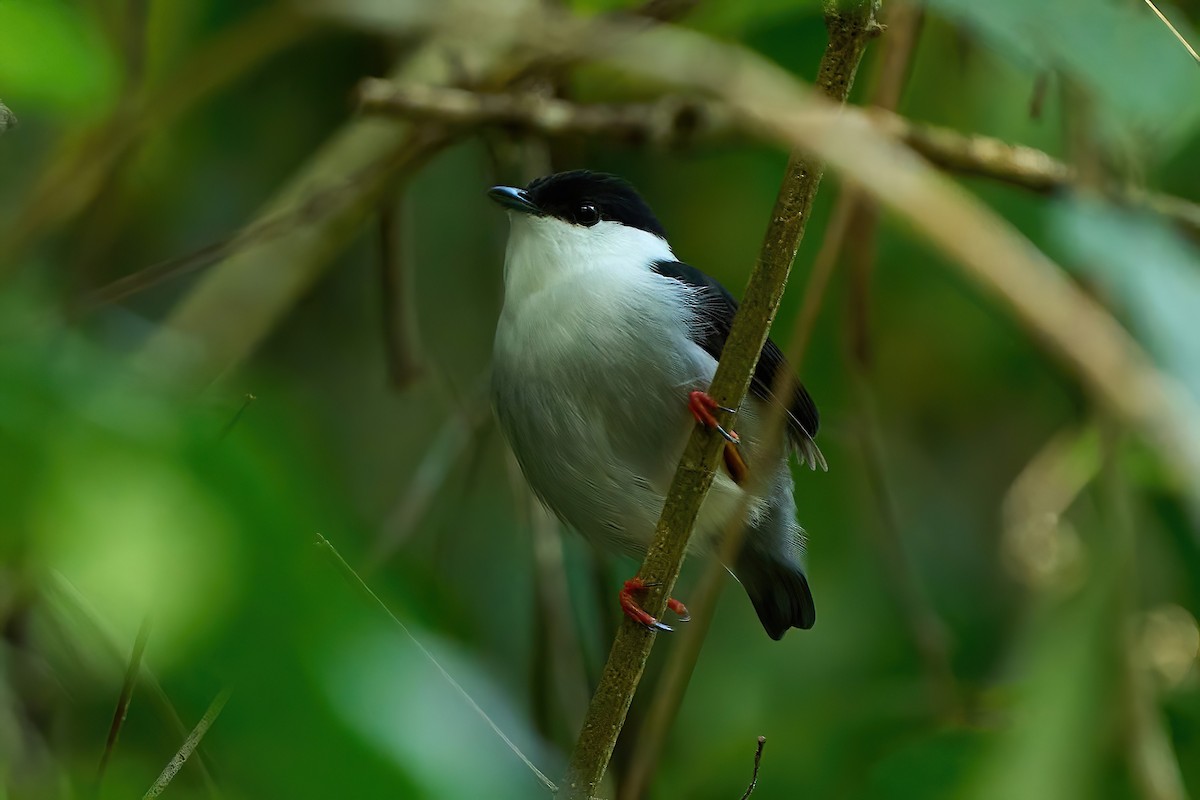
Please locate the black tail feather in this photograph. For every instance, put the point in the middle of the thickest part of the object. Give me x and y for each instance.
(779, 592)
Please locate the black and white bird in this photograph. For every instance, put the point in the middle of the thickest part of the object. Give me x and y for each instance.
(604, 351)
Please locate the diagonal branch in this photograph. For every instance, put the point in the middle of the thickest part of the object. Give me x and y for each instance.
(849, 30)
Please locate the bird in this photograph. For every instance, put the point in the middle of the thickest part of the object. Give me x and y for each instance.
(604, 350)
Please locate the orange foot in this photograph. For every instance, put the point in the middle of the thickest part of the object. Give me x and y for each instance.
(636, 613)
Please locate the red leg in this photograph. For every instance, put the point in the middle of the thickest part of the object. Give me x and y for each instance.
(638, 614)
(702, 407)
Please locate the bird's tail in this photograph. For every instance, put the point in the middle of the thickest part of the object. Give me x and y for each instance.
(779, 591)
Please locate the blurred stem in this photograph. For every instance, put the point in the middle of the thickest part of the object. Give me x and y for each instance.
(399, 313)
(1152, 759)
(891, 73)
(69, 597)
(859, 235)
(1085, 152)
(81, 164)
(240, 299)
(551, 592)
(447, 450)
(925, 627)
(189, 745)
(850, 26)
(670, 121)
(123, 700)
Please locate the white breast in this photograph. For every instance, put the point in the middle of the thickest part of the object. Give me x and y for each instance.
(592, 367)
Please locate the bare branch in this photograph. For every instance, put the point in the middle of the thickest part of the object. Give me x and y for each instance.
(762, 740)
(849, 30)
(1191, 50)
(667, 122)
(675, 121)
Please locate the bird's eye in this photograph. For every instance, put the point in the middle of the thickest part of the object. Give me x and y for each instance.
(587, 215)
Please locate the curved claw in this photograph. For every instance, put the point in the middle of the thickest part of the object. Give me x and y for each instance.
(702, 406)
(639, 615)
(730, 436)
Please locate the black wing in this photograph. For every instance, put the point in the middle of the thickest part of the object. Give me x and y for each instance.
(716, 311)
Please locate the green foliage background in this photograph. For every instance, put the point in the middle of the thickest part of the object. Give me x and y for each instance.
(1072, 641)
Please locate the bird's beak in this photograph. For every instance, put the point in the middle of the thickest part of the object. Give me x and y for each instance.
(514, 199)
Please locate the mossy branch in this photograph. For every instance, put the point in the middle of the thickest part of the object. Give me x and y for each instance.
(850, 26)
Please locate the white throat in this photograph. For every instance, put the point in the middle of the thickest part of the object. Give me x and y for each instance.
(545, 250)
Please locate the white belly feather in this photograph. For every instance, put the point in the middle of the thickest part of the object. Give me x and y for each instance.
(591, 378)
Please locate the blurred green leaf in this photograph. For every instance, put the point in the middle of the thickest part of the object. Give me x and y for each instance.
(53, 57)
(1149, 271)
(386, 689)
(1120, 51)
(929, 768)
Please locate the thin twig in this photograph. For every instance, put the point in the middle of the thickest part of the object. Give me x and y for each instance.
(123, 699)
(849, 29)
(445, 452)
(1170, 27)
(925, 626)
(353, 577)
(81, 165)
(66, 595)
(314, 209)
(758, 751)
(247, 399)
(189, 745)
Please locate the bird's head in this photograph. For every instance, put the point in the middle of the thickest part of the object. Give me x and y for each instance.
(578, 220)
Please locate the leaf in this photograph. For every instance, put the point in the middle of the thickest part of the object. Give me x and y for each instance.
(1120, 51)
(1149, 270)
(53, 58)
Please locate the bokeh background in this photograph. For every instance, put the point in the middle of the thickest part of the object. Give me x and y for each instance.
(1007, 577)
